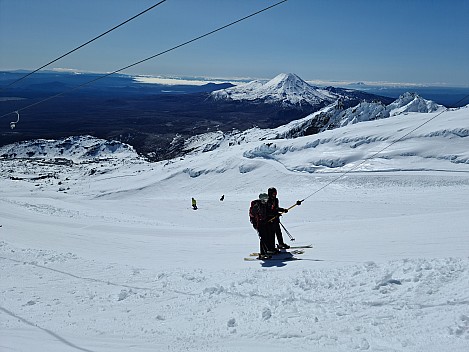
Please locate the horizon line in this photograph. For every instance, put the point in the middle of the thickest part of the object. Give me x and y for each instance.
(173, 79)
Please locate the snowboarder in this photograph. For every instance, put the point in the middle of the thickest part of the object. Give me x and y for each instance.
(260, 221)
(194, 204)
(274, 217)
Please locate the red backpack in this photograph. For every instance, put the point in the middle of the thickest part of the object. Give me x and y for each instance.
(257, 212)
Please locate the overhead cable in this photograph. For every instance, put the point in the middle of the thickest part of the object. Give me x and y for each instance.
(148, 58)
(82, 45)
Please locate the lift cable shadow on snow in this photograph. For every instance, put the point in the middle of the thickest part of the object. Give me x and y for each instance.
(146, 59)
(106, 282)
(76, 276)
(53, 334)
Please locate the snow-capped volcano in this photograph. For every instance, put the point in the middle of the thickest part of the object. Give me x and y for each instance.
(286, 89)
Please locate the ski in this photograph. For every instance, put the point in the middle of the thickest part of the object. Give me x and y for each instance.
(255, 259)
(282, 256)
(295, 251)
(305, 246)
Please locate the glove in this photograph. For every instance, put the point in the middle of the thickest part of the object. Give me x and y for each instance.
(285, 210)
(298, 202)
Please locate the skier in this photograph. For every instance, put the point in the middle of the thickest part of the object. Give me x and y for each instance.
(194, 204)
(222, 198)
(260, 221)
(274, 217)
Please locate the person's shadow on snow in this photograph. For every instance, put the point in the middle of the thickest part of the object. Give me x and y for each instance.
(272, 263)
(279, 260)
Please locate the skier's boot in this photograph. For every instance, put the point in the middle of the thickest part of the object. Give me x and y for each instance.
(283, 246)
(264, 257)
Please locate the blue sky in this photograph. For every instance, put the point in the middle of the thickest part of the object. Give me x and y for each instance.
(407, 41)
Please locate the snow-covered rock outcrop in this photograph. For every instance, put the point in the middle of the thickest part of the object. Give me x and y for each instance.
(412, 102)
(335, 116)
(76, 149)
(331, 117)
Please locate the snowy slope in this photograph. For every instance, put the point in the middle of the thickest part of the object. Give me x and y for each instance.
(115, 259)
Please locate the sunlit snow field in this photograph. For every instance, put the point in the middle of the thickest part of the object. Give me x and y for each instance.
(109, 256)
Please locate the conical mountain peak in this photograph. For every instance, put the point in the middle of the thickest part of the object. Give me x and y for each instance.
(285, 89)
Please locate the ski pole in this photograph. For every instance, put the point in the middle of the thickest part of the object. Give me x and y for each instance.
(288, 233)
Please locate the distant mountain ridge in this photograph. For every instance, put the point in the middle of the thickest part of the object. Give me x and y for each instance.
(336, 116)
(80, 149)
(331, 117)
(289, 90)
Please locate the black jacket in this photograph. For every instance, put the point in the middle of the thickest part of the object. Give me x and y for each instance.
(273, 210)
